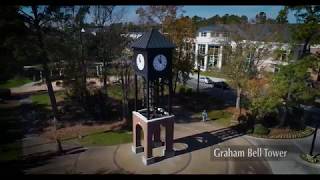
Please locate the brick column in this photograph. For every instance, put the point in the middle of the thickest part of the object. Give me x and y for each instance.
(169, 138)
(148, 142)
(157, 136)
(136, 135)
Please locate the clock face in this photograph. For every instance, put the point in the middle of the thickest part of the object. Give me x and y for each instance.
(140, 61)
(160, 62)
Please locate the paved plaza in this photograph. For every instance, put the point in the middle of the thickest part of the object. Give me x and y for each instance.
(193, 146)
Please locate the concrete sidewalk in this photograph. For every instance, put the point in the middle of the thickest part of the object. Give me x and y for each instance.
(292, 164)
(120, 159)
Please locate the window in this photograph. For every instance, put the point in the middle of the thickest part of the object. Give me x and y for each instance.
(201, 60)
(203, 34)
(215, 55)
(201, 48)
(213, 52)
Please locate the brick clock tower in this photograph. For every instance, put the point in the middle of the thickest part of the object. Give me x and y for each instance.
(152, 62)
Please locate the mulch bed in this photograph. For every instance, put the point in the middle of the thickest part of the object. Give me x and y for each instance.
(286, 134)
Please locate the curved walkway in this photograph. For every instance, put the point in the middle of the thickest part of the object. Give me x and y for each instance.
(292, 164)
(193, 143)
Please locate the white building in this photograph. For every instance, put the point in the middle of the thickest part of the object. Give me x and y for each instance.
(210, 42)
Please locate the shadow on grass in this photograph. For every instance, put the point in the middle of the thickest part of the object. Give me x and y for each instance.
(11, 126)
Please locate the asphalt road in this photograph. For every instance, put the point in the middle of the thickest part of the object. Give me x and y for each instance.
(229, 96)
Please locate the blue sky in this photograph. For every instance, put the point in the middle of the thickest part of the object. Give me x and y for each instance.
(208, 11)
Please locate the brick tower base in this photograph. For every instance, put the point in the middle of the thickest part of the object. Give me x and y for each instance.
(152, 134)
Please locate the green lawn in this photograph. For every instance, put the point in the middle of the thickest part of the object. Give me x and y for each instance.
(115, 92)
(15, 82)
(220, 116)
(11, 152)
(44, 99)
(107, 138)
(10, 125)
(10, 131)
(213, 73)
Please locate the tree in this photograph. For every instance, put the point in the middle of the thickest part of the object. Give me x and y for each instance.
(13, 31)
(41, 18)
(244, 19)
(289, 85)
(307, 30)
(282, 17)
(261, 18)
(242, 62)
(179, 32)
(74, 48)
(124, 67)
(158, 14)
(80, 18)
(198, 21)
(106, 16)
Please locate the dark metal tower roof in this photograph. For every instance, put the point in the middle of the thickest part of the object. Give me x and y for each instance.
(152, 39)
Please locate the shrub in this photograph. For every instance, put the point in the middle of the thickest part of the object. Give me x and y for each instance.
(249, 131)
(189, 91)
(264, 106)
(260, 130)
(310, 159)
(182, 90)
(296, 120)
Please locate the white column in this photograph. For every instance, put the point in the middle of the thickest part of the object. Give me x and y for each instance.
(206, 57)
(97, 70)
(41, 75)
(196, 56)
(220, 57)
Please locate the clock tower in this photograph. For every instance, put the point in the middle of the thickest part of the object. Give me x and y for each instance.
(152, 63)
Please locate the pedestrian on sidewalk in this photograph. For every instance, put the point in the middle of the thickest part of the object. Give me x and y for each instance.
(204, 116)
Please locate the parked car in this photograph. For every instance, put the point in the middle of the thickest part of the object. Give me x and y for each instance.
(221, 85)
(205, 80)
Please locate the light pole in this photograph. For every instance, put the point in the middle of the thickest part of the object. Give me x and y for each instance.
(84, 78)
(198, 78)
(314, 137)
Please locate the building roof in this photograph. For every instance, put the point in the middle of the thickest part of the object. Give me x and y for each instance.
(152, 39)
(255, 32)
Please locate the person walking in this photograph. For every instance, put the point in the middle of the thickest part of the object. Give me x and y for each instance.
(204, 116)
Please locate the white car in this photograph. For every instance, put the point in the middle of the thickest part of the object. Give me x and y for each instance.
(205, 80)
